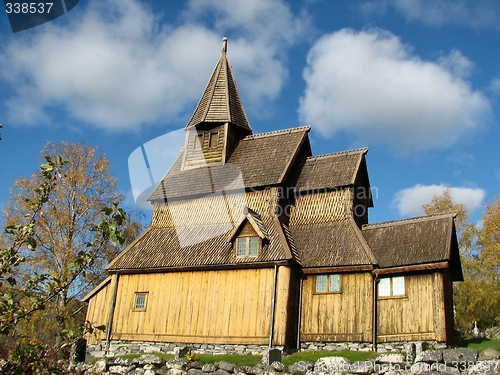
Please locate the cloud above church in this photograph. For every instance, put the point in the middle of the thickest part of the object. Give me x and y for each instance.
(409, 201)
(371, 86)
(115, 65)
(477, 14)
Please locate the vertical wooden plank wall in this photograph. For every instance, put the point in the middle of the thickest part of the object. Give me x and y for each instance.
(223, 306)
(344, 316)
(98, 311)
(417, 316)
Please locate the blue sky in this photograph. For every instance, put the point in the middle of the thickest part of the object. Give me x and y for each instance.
(418, 82)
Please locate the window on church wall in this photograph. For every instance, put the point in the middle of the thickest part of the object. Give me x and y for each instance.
(247, 246)
(214, 140)
(198, 142)
(391, 286)
(328, 283)
(140, 300)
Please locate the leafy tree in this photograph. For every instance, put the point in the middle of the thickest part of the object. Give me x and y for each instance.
(477, 297)
(70, 224)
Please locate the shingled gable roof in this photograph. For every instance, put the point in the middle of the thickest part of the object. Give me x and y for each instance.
(221, 102)
(331, 244)
(159, 248)
(330, 170)
(414, 241)
(261, 159)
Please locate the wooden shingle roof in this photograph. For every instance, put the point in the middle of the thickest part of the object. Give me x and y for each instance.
(261, 160)
(427, 239)
(220, 101)
(160, 248)
(330, 170)
(331, 244)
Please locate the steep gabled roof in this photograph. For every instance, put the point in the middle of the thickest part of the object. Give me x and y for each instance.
(220, 101)
(331, 244)
(427, 239)
(330, 170)
(261, 160)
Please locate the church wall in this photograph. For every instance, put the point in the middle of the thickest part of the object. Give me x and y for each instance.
(418, 315)
(321, 207)
(220, 306)
(338, 317)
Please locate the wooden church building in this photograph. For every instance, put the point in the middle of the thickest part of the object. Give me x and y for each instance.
(254, 240)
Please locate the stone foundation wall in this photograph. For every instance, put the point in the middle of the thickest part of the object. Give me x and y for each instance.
(419, 346)
(117, 348)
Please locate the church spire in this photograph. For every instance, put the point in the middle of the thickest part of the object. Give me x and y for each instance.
(220, 103)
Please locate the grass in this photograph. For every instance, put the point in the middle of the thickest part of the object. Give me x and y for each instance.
(481, 344)
(313, 356)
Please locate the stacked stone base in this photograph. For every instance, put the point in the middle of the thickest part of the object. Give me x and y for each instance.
(117, 348)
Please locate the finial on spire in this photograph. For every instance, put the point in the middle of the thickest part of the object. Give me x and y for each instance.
(224, 44)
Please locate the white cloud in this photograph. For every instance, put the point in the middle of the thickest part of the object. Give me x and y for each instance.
(409, 201)
(116, 67)
(370, 85)
(477, 14)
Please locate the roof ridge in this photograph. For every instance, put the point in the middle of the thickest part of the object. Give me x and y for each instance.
(408, 220)
(363, 150)
(275, 132)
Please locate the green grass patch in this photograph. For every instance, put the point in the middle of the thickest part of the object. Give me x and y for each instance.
(235, 359)
(313, 356)
(481, 344)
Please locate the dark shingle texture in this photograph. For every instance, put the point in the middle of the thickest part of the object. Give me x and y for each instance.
(220, 102)
(330, 171)
(260, 160)
(411, 241)
(330, 244)
(160, 247)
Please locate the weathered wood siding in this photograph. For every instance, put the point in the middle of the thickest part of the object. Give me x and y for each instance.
(321, 207)
(419, 315)
(344, 316)
(98, 311)
(200, 157)
(223, 306)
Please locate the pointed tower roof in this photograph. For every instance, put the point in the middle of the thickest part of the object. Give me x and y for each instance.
(220, 101)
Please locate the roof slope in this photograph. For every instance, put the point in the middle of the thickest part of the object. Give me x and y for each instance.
(330, 170)
(159, 247)
(259, 160)
(221, 102)
(331, 244)
(413, 241)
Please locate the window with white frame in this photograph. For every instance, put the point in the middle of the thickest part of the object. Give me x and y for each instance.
(247, 246)
(391, 286)
(328, 283)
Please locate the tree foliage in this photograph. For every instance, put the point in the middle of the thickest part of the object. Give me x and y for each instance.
(477, 298)
(62, 225)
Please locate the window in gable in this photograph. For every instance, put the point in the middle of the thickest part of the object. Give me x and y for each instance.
(140, 301)
(247, 246)
(391, 286)
(328, 283)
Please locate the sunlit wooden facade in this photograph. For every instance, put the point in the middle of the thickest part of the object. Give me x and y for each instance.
(253, 240)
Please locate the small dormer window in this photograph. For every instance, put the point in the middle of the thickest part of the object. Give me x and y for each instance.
(247, 246)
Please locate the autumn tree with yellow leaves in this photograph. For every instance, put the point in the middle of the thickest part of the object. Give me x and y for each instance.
(68, 236)
(477, 298)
